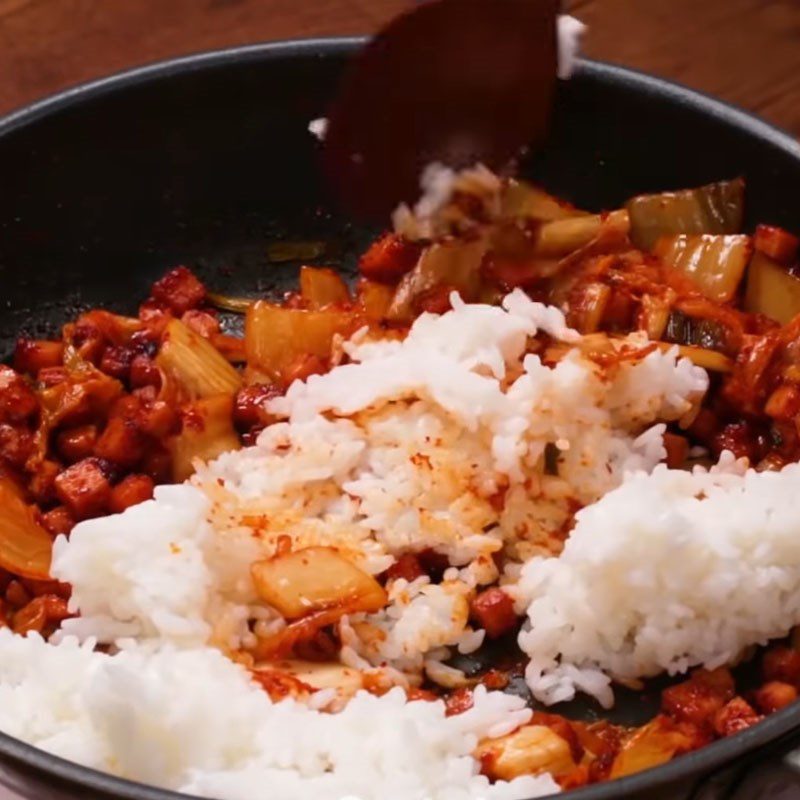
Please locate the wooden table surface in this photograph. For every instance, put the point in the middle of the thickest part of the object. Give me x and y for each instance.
(745, 51)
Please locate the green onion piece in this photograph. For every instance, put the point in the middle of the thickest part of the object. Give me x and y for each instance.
(715, 208)
(281, 252)
(238, 305)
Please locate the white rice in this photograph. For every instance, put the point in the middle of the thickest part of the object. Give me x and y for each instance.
(669, 571)
(192, 720)
(570, 34)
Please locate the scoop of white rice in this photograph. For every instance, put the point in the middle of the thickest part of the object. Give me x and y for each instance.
(192, 720)
(669, 571)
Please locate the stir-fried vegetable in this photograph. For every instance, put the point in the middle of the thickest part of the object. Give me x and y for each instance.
(654, 744)
(315, 579)
(321, 287)
(530, 750)
(238, 305)
(703, 333)
(707, 359)
(654, 314)
(454, 264)
(197, 366)
(25, 546)
(562, 237)
(275, 336)
(778, 244)
(374, 299)
(207, 432)
(324, 675)
(714, 263)
(715, 208)
(280, 252)
(772, 290)
(521, 200)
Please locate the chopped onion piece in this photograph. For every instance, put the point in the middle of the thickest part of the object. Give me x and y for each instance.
(716, 208)
(315, 579)
(198, 367)
(715, 264)
(772, 290)
(25, 546)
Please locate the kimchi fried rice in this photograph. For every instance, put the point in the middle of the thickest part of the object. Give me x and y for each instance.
(531, 429)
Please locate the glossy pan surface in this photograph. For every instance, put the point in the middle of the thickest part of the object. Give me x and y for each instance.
(207, 161)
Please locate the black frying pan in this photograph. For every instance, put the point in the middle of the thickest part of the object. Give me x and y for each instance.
(206, 160)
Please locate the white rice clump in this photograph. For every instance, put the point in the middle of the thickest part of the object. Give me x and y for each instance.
(192, 720)
(671, 570)
(570, 33)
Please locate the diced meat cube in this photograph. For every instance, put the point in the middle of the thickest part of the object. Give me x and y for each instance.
(158, 465)
(734, 717)
(18, 403)
(776, 243)
(84, 489)
(493, 609)
(774, 695)
(459, 701)
(435, 564)
(719, 680)
(157, 419)
(692, 702)
(17, 595)
(146, 394)
(75, 444)
(203, 323)
(677, 448)
(58, 521)
(32, 355)
(705, 425)
(144, 372)
(495, 679)
(406, 567)
(122, 442)
(415, 695)
(52, 376)
(782, 664)
(155, 316)
(144, 343)
(42, 482)
(129, 492)
(16, 445)
(179, 290)
(116, 362)
(47, 586)
(41, 613)
(248, 406)
(388, 259)
(434, 301)
(738, 437)
(509, 273)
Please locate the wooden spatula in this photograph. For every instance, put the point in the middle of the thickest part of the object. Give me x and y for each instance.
(451, 81)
